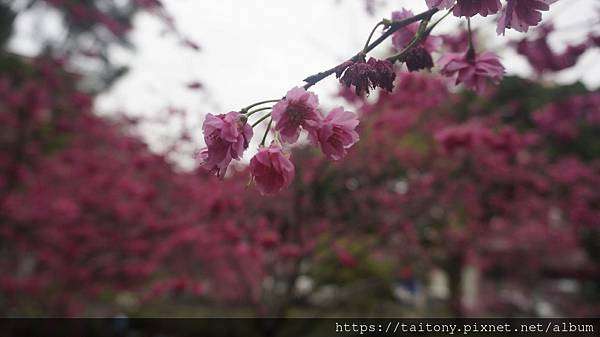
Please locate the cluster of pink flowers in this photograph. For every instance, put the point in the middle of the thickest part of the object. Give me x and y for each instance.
(472, 69)
(227, 136)
(516, 14)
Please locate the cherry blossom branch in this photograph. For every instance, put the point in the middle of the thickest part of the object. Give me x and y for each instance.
(335, 132)
(394, 26)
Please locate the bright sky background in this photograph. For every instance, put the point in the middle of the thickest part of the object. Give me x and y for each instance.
(255, 50)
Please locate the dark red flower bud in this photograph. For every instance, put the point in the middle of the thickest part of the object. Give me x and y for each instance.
(385, 73)
(365, 75)
(418, 58)
(358, 75)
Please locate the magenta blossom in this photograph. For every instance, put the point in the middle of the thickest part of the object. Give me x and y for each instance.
(336, 133)
(521, 14)
(474, 70)
(298, 109)
(271, 170)
(226, 137)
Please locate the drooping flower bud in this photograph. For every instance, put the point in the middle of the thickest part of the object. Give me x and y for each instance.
(418, 58)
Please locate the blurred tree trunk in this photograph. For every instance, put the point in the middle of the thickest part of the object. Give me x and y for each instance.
(454, 270)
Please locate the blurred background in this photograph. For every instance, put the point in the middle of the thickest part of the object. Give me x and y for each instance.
(452, 204)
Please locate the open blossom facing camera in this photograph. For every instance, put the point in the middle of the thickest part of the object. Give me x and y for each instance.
(336, 134)
(473, 70)
(297, 110)
(271, 169)
(226, 137)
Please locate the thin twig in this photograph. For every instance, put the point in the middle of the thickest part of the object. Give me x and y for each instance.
(257, 110)
(262, 143)
(261, 120)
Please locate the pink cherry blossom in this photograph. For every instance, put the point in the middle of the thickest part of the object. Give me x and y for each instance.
(297, 110)
(336, 133)
(226, 137)
(521, 14)
(474, 70)
(271, 170)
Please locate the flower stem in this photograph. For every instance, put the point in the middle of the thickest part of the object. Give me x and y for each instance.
(250, 113)
(471, 51)
(261, 119)
(380, 23)
(441, 19)
(262, 143)
(246, 109)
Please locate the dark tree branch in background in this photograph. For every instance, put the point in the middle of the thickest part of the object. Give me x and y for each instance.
(394, 26)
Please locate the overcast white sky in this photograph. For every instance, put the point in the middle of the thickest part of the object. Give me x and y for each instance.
(254, 50)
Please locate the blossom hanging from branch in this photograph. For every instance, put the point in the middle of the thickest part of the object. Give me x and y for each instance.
(228, 136)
